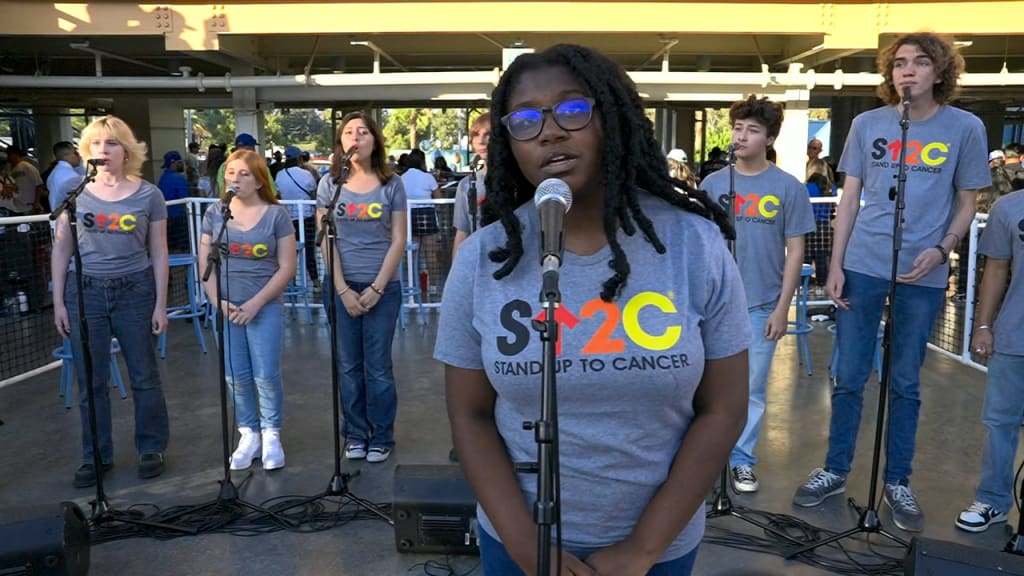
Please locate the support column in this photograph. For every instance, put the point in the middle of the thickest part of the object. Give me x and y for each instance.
(52, 126)
(166, 130)
(685, 132)
(791, 145)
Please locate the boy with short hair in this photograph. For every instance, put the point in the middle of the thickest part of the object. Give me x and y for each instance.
(773, 212)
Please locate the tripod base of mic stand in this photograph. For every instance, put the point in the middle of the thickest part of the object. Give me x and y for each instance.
(722, 506)
(1015, 545)
(868, 523)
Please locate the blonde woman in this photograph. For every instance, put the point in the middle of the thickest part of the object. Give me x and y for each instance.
(122, 239)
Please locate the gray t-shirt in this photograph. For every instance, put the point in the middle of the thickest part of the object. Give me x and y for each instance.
(113, 237)
(249, 256)
(945, 154)
(1003, 238)
(364, 225)
(627, 370)
(770, 207)
(461, 220)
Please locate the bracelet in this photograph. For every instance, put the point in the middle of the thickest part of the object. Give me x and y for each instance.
(377, 290)
(943, 251)
(983, 327)
(342, 291)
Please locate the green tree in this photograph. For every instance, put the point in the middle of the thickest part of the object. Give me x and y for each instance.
(407, 128)
(219, 124)
(718, 131)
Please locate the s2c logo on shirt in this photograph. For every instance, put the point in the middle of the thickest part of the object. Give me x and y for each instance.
(930, 154)
(516, 315)
(361, 211)
(753, 205)
(112, 222)
(248, 250)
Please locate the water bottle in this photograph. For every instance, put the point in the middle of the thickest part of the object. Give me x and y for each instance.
(22, 302)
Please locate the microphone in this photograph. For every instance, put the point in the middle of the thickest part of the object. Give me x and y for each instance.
(348, 155)
(229, 195)
(97, 162)
(553, 199)
(906, 96)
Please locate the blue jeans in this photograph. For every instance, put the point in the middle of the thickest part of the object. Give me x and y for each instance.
(914, 313)
(369, 400)
(253, 367)
(759, 357)
(1004, 402)
(123, 308)
(495, 561)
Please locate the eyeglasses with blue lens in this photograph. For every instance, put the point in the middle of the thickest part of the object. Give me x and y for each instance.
(571, 115)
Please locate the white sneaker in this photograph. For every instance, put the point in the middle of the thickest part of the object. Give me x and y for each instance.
(978, 517)
(249, 446)
(378, 454)
(273, 453)
(355, 450)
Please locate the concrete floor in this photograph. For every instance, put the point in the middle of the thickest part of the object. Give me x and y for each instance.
(40, 453)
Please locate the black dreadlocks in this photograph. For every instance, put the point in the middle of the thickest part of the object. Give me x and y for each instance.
(633, 162)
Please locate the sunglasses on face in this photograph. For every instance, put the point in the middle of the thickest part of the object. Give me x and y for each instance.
(570, 115)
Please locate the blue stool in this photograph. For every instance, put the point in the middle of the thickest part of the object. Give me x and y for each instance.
(801, 327)
(192, 310)
(298, 288)
(835, 352)
(412, 250)
(67, 370)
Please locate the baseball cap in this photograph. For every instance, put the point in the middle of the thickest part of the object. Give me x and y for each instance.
(246, 140)
(996, 155)
(292, 152)
(171, 157)
(677, 155)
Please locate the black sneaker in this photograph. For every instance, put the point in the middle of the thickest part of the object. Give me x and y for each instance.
(978, 517)
(85, 476)
(151, 465)
(743, 479)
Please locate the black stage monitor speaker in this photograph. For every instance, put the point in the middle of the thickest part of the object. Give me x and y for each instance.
(937, 558)
(434, 510)
(56, 545)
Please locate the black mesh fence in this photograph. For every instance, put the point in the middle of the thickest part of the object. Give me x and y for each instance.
(430, 255)
(27, 334)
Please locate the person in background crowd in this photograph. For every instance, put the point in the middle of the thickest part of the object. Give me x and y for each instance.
(819, 242)
(479, 137)
(21, 186)
(64, 177)
(305, 162)
(192, 167)
(370, 244)
(442, 173)
(939, 208)
(769, 251)
(214, 160)
(259, 263)
(124, 281)
(716, 161)
(277, 165)
(296, 183)
(174, 186)
(632, 485)
(996, 337)
(243, 141)
(678, 167)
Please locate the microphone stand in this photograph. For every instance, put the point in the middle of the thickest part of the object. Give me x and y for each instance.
(869, 522)
(547, 509)
(102, 512)
(338, 484)
(722, 506)
(471, 198)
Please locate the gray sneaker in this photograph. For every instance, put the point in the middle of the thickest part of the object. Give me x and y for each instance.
(905, 512)
(821, 485)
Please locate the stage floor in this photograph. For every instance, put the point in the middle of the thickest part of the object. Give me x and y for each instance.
(40, 452)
